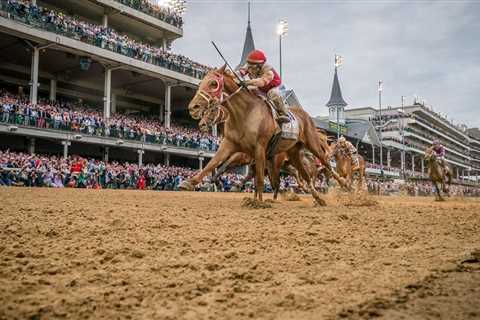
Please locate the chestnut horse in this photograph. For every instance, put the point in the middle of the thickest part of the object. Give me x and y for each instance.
(345, 167)
(437, 173)
(248, 128)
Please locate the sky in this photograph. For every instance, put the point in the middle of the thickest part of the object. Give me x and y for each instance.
(430, 49)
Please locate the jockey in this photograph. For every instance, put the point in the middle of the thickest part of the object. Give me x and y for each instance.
(266, 79)
(346, 147)
(439, 151)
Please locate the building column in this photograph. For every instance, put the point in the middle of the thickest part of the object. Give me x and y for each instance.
(106, 154)
(65, 144)
(413, 163)
(423, 166)
(215, 130)
(168, 105)
(402, 161)
(53, 90)
(31, 146)
(389, 159)
(458, 174)
(166, 159)
(200, 162)
(107, 93)
(34, 75)
(114, 104)
(164, 44)
(161, 115)
(105, 20)
(140, 157)
(373, 153)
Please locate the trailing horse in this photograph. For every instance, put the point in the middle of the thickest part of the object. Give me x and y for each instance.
(437, 173)
(249, 127)
(345, 166)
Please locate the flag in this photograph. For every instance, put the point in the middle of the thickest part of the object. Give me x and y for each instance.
(338, 61)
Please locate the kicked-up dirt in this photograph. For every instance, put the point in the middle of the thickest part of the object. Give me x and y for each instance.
(105, 254)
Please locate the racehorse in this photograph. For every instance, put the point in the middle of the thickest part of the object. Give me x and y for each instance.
(249, 127)
(345, 167)
(437, 173)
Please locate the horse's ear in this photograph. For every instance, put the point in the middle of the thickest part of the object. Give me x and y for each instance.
(222, 69)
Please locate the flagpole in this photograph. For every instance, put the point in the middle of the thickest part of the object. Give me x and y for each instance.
(380, 89)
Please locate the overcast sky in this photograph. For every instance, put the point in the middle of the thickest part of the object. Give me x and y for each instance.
(426, 48)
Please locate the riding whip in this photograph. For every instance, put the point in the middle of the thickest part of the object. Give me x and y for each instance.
(228, 65)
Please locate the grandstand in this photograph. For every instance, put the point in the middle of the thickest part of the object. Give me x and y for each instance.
(405, 132)
(113, 58)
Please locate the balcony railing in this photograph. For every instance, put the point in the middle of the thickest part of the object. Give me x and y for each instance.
(110, 132)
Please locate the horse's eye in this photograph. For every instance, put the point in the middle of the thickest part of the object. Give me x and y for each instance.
(213, 85)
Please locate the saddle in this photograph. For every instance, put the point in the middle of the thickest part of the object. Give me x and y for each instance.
(289, 130)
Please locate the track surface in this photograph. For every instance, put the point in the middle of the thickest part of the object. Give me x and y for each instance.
(85, 254)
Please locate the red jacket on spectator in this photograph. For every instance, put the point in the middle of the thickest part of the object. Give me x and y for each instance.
(141, 182)
(76, 167)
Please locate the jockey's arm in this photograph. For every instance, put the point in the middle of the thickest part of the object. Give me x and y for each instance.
(262, 81)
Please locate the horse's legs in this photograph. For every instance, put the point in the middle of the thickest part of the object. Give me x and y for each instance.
(274, 176)
(295, 158)
(314, 145)
(225, 150)
(260, 171)
(225, 165)
(437, 189)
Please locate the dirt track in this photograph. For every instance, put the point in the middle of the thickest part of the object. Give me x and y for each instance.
(84, 254)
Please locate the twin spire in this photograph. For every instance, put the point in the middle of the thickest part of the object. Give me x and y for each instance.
(249, 45)
(336, 98)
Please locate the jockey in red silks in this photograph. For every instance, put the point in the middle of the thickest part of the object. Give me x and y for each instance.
(266, 79)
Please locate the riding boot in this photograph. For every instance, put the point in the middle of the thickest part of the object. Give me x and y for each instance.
(281, 110)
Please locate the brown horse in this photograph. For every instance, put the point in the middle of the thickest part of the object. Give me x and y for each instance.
(437, 173)
(249, 127)
(345, 166)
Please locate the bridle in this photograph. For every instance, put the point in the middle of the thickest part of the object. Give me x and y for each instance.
(216, 98)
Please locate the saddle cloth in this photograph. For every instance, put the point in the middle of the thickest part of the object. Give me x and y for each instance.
(290, 130)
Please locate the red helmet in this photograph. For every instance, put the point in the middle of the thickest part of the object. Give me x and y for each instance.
(256, 57)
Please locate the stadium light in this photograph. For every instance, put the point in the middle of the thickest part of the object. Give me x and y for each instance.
(282, 29)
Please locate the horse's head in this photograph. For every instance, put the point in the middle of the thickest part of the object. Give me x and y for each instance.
(429, 155)
(208, 98)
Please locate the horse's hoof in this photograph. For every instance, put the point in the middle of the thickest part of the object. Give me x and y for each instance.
(185, 186)
(320, 202)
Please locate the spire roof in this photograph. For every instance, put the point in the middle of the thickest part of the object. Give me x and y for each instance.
(336, 98)
(249, 45)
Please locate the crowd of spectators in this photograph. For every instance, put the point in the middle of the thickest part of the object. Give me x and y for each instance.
(100, 36)
(21, 169)
(82, 119)
(163, 13)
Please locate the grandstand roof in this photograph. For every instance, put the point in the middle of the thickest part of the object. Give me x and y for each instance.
(336, 98)
(248, 45)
